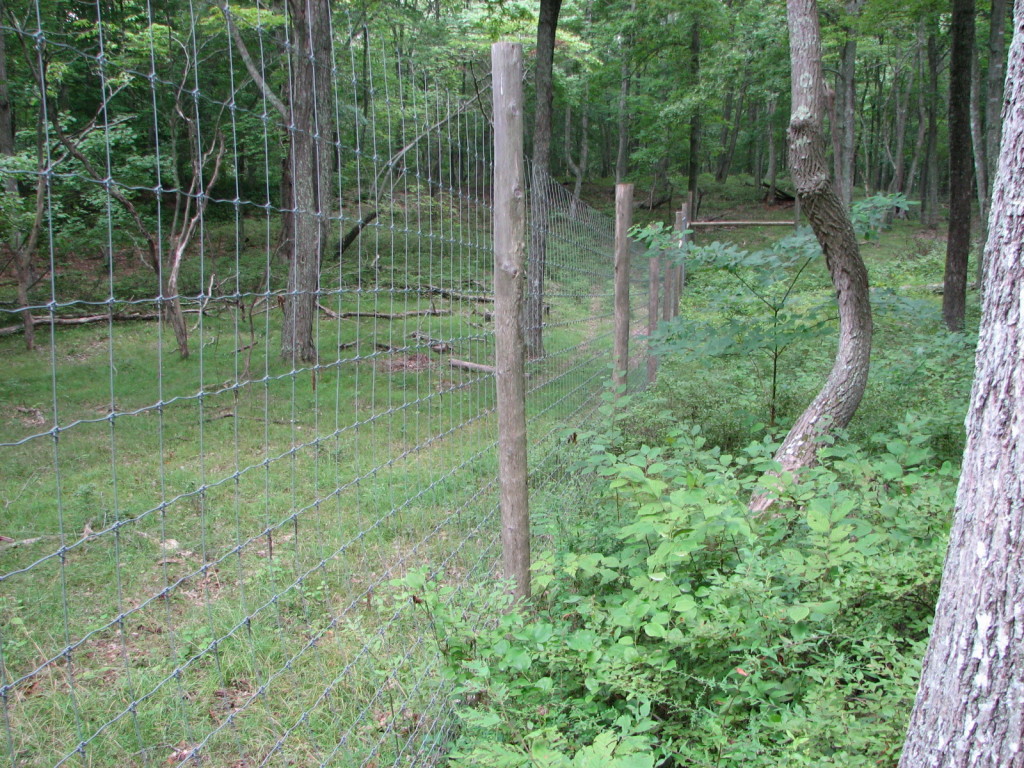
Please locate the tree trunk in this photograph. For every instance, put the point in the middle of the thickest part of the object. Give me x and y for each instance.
(931, 150)
(729, 146)
(838, 400)
(310, 141)
(773, 173)
(172, 301)
(993, 107)
(547, 25)
(622, 155)
(970, 701)
(958, 243)
(899, 163)
(978, 138)
(24, 274)
(846, 110)
(994, 84)
(693, 166)
(913, 185)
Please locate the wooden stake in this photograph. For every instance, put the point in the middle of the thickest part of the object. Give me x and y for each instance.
(623, 220)
(682, 224)
(509, 284)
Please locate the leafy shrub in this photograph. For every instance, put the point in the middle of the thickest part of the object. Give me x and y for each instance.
(701, 635)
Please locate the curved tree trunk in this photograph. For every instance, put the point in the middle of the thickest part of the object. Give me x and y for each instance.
(970, 703)
(838, 400)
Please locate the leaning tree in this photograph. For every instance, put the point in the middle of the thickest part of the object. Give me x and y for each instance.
(839, 397)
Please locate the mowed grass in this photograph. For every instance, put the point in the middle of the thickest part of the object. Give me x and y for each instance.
(199, 554)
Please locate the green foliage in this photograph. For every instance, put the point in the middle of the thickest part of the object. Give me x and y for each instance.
(757, 316)
(698, 634)
(874, 214)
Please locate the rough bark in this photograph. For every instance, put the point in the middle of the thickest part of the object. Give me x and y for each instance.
(958, 243)
(509, 258)
(970, 704)
(310, 140)
(841, 395)
(547, 26)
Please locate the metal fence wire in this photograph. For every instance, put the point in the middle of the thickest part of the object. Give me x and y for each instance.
(207, 495)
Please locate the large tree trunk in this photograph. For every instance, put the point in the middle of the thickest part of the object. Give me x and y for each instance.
(838, 400)
(958, 244)
(547, 25)
(310, 144)
(970, 703)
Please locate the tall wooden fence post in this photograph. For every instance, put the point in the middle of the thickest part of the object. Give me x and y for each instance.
(623, 220)
(653, 269)
(509, 284)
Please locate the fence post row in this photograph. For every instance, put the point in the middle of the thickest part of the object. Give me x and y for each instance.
(509, 285)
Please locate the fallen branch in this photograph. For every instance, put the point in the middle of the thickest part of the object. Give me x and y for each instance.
(936, 288)
(441, 347)
(470, 366)
(383, 315)
(742, 224)
(454, 295)
(9, 543)
(117, 316)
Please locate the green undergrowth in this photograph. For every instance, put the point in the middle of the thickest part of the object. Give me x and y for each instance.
(670, 626)
(681, 630)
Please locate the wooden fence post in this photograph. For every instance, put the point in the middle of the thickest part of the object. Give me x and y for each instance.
(623, 220)
(670, 289)
(509, 283)
(653, 269)
(682, 224)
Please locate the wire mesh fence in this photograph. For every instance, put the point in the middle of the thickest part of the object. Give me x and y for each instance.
(247, 331)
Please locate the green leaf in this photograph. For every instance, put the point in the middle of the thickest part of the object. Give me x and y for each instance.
(798, 612)
(818, 521)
